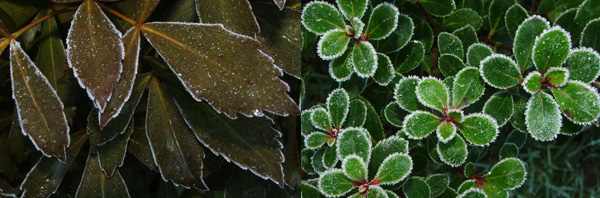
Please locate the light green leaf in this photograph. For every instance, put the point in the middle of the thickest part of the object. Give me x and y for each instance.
(320, 17)
(450, 64)
(92, 176)
(467, 88)
(463, 17)
(500, 71)
(589, 35)
(467, 35)
(454, 152)
(567, 20)
(394, 114)
(557, 76)
(358, 27)
(514, 16)
(438, 184)
(533, 82)
(497, 10)
(477, 52)
(551, 48)
(385, 70)
(333, 44)
(542, 117)
(420, 124)
(354, 168)
(409, 57)
(338, 104)
(456, 115)
(479, 129)
(500, 107)
(583, 64)
(416, 187)
(342, 68)
(508, 174)
(315, 140)
(578, 101)
(354, 141)
(383, 21)
(439, 8)
(587, 11)
(236, 16)
(525, 37)
(432, 93)
(394, 168)
(352, 8)
(399, 38)
(334, 183)
(320, 119)
(473, 193)
(406, 95)
(364, 58)
(448, 43)
(357, 114)
(446, 131)
(509, 150)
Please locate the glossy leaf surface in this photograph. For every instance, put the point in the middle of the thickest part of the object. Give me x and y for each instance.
(589, 36)
(467, 88)
(320, 17)
(364, 58)
(394, 168)
(416, 187)
(338, 104)
(525, 39)
(354, 168)
(354, 141)
(438, 8)
(352, 8)
(507, 174)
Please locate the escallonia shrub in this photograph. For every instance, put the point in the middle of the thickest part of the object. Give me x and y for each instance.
(482, 75)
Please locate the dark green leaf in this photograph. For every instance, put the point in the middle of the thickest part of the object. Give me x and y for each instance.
(567, 20)
(508, 174)
(342, 68)
(542, 117)
(518, 118)
(448, 43)
(500, 71)
(439, 8)
(416, 187)
(320, 17)
(578, 101)
(399, 38)
(385, 148)
(385, 70)
(320, 119)
(500, 107)
(497, 10)
(432, 93)
(306, 159)
(394, 168)
(438, 184)
(551, 49)
(476, 53)
(557, 76)
(516, 137)
(309, 191)
(315, 140)
(364, 58)
(383, 21)
(473, 193)
(583, 64)
(467, 35)
(514, 16)
(373, 122)
(509, 150)
(525, 37)
(352, 8)
(420, 124)
(333, 44)
(394, 114)
(461, 18)
(236, 16)
(354, 141)
(93, 176)
(454, 152)
(405, 94)
(410, 56)
(338, 104)
(479, 129)
(424, 34)
(587, 11)
(468, 88)
(450, 64)
(589, 36)
(330, 157)
(357, 114)
(569, 127)
(112, 153)
(317, 161)
(335, 183)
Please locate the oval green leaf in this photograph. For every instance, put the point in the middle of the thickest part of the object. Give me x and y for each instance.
(578, 101)
(551, 49)
(383, 21)
(500, 71)
(508, 174)
(463, 17)
(338, 104)
(525, 39)
(354, 141)
(333, 44)
(364, 58)
(432, 93)
(354, 168)
(439, 8)
(476, 53)
(420, 124)
(394, 168)
(352, 8)
(334, 183)
(542, 117)
(450, 44)
(320, 17)
(479, 129)
(454, 152)
(467, 88)
(583, 64)
(500, 107)
(450, 64)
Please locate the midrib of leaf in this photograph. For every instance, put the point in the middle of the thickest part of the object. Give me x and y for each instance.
(465, 93)
(54, 72)
(143, 14)
(505, 74)
(225, 13)
(574, 101)
(376, 27)
(102, 181)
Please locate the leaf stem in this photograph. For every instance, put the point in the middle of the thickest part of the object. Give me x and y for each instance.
(41, 19)
(118, 14)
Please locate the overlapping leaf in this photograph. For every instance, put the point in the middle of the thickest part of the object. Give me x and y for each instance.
(236, 16)
(92, 176)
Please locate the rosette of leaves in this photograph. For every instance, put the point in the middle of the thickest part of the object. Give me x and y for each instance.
(214, 86)
(350, 47)
(506, 175)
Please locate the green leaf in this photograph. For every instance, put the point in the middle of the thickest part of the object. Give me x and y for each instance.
(473, 193)
(557, 76)
(500, 107)
(384, 148)
(171, 140)
(357, 114)
(47, 174)
(376, 191)
(424, 34)
(583, 64)
(467, 35)
(315, 140)
(461, 18)
(518, 118)
(241, 88)
(476, 53)
(373, 122)
(112, 154)
(338, 104)
(516, 137)
(409, 57)
(236, 16)
(438, 184)
(589, 35)
(446, 131)
(354, 86)
(385, 70)
(342, 68)
(454, 152)
(587, 11)
(306, 161)
(449, 192)
(567, 20)
(354, 168)
(508, 174)
(514, 16)
(450, 44)
(333, 44)
(39, 109)
(500, 71)
(93, 33)
(479, 129)
(450, 64)
(354, 141)
(334, 183)
(352, 8)
(399, 38)
(469, 168)
(306, 125)
(578, 101)
(416, 187)
(394, 114)
(330, 157)
(406, 95)
(319, 17)
(456, 115)
(542, 117)
(533, 82)
(420, 124)
(432, 93)
(394, 168)
(467, 88)
(497, 10)
(383, 21)
(439, 8)
(569, 127)
(358, 27)
(320, 119)
(525, 38)
(317, 161)
(509, 150)
(551, 48)
(92, 176)
(364, 58)
(309, 191)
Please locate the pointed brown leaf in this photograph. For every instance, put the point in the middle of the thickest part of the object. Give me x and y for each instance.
(95, 51)
(140, 148)
(225, 68)
(112, 153)
(235, 15)
(143, 9)
(124, 86)
(175, 150)
(40, 110)
(95, 184)
(280, 3)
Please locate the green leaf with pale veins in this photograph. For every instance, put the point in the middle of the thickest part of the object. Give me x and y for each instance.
(172, 141)
(315, 140)
(364, 58)
(354, 168)
(476, 53)
(500, 71)
(357, 114)
(236, 16)
(93, 176)
(557, 76)
(551, 49)
(583, 64)
(394, 168)
(217, 75)
(416, 187)
(461, 18)
(450, 64)
(467, 88)
(438, 183)
(500, 107)
(385, 70)
(112, 153)
(335, 183)
(320, 119)
(542, 117)
(479, 129)
(497, 10)
(446, 131)
(578, 101)
(342, 68)
(439, 8)
(589, 35)
(525, 39)
(587, 11)
(352, 8)
(94, 46)
(320, 17)
(338, 104)
(454, 152)
(533, 82)
(567, 20)
(448, 43)
(514, 16)
(420, 124)
(507, 174)
(383, 21)
(406, 95)
(432, 93)
(410, 56)
(40, 111)
(354, 141)
(467, 35)
(47, 174)
(399, 38)
(333, 44)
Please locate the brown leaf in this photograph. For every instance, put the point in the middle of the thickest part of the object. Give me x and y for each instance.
(235, 15)
(143, 9)
(95, 183)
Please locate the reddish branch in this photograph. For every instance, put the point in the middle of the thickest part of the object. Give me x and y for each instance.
(494, 43)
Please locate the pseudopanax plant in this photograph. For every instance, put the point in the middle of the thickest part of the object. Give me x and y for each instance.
(481, 75)
(214, 71)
